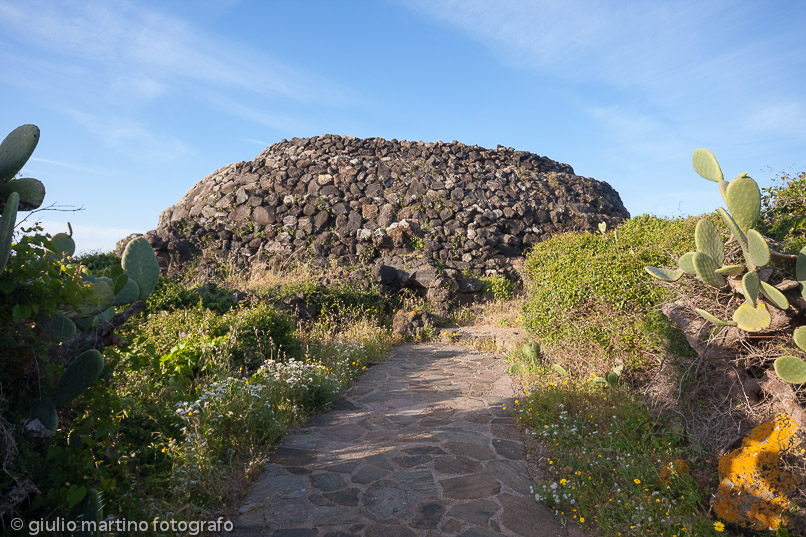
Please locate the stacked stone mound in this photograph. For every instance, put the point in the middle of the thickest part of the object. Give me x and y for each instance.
(385, 203)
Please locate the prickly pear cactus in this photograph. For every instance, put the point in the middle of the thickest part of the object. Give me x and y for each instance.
(7, 222)
(141, 265)
(78, 376)
(531, 351)
(63, 245)
(31, 191)
(791, 368)
(91, 509)
(44, 410)
(743, 198)
(16, 149)
(57, 327)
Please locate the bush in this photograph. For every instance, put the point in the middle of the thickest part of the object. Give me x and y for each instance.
(590, 292)
(99, 263)
(783, 212)
(258, 333)
(500, 287)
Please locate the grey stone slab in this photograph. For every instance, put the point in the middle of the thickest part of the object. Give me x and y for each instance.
(336, 516)
(421, 481)
(411, 461)
(427, 515)
(480, 532)
(513, 474)
(297, 532)
(452, 464)
(328, 482)
(276, 483)
(523, 516)
(386, 530)
(509, 449)
(348, 497)
(470, 450)
(471, 486)
(386, 497)
(475, 512)
(368, 474)
(292, 456)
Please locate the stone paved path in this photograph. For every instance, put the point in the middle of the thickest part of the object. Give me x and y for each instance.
(419, 446)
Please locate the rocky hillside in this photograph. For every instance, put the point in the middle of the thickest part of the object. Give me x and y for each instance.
(375, 201)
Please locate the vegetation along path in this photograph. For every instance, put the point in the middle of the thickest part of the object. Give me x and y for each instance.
(421, 445)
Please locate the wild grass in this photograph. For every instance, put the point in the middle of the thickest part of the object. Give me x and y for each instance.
(608, 463)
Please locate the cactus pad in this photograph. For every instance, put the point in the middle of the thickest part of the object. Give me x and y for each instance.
(800, 267)
(752, 319)
(78, 376)
(602, 227)
(713, 319)
(708, 241)
(730, 270)
(128, 294)
(750, 285)
(7, 222)
(686, 263)
(758, 252)
(744, 201)
(706, 267)
(531, 351)
(705, 164)
(63, 244)
(89, 322)
(741, 238)
(102, 298)
(45, 411)
(57, 327)
(665, 274)
(16, 149)
(612, 378)
(560, 370)
(31, 191)
(774, 296)
(90, 508)
(791, 369)
(800, 337)
(140, 264)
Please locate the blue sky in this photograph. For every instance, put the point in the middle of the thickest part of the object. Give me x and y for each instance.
(138, 101)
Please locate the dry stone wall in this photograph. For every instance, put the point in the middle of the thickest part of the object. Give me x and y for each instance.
(378, 202)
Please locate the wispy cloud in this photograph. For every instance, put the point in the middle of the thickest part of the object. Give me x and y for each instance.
(690, 59)
(149, 52)
(66, 165)
(112, 63)
(133, 138)
(261, 143)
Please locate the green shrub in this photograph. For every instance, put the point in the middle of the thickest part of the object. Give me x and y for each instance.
(99, 263)
(259, 332)
(170, 295)
(585, 290)
(500, 287)
(783, 212)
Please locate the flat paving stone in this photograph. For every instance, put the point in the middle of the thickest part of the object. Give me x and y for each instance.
(476, 512)
(471, 486)
(419, 446)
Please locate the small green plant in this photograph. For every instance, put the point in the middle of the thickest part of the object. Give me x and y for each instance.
(500, 287)
(743, 199)
(416, 243)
